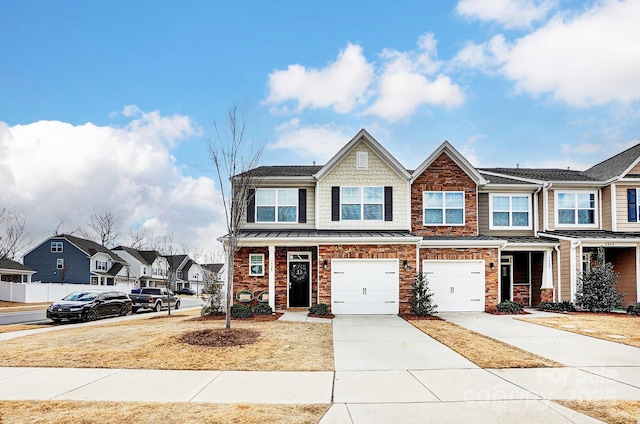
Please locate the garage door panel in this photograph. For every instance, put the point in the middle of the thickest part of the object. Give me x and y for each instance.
(365, 286)
(457, 285)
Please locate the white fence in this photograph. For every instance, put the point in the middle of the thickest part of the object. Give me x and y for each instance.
(49, 292)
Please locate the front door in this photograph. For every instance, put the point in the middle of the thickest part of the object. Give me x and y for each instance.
(299, 281)
(505, 278)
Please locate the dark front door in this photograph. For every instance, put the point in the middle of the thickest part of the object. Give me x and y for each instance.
(299, 284)
(505, 282)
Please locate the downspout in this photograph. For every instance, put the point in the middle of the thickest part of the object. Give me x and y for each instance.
(558, 295)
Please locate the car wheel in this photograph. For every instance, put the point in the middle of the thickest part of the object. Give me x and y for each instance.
(178, 304)
(134, 310)
(158, 307)
(92, 315)
(124, 310)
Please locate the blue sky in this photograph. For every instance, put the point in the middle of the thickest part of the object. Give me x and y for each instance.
(105, 104)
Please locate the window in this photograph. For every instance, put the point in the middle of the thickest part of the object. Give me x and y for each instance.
(361, 203)
(276, 205)
(256, 264)
(56, 246)
(443, 207)
(576, 208)
(60, 263)
(510, 211)
(101, 265)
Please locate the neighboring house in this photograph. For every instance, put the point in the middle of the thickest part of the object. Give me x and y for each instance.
(177, 273)
(149, 266)
(15, 272)
(193, 276)
(74, 260)
(355, 232)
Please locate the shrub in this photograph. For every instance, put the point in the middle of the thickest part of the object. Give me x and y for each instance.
(564, 306)
(320, 309)
(597, 290)
(214, 304)
(241, 311)
(262, 309)
(421, 302)
(510, 307)
(634, 309)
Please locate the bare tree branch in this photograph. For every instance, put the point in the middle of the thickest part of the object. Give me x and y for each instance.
(103, 228)
(235, 163)
(13, 237)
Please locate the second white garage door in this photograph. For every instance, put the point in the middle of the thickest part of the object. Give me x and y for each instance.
(456, 285)
(364, 286)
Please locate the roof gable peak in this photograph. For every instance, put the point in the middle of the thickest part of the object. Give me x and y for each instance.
(448, 149)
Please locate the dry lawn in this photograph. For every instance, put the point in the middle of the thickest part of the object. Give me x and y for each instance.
(19, 327)
(6, 306)
(76, 412)
(155, 344)
(609, 411)
(601, 326)
(479, 349)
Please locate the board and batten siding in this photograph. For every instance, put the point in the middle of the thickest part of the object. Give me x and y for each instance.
(551, 201)
(377, 174)
(565, 269)
(484, 209)
(311, 211)
(605, 209)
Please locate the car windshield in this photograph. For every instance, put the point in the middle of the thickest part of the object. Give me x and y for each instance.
(81, 297)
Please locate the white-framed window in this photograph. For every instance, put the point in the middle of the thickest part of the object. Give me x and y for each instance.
(277, 205)
(361, 203)
(576, 208)
(101, 265)
(60, 263)
(56, 246)
(510, 211)
(256, 264)
(443, 207)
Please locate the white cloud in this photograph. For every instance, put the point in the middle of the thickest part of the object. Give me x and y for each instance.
(317, 142)
(53, 172)
(406, 83)
(587, 59)
(341, 85)
(582, 149)
(509, 13)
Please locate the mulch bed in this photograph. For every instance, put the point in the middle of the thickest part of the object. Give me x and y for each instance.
(329, 316)
(496, 312)
(169, 316)
(413, 317)
(222, 317)
(221, 337)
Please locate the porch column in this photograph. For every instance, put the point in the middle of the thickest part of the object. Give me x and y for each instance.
(272, 277)
(547, 270)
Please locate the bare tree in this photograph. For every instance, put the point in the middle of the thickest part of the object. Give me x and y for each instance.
(13, 237)
(102, 228)
(138, 237)
(234, 162)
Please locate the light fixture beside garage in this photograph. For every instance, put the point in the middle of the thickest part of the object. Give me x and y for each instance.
(405, 264)
(325, 264)
(492, 265)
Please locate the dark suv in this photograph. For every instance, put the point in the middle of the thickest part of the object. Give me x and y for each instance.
(89, 306)
(186, 291)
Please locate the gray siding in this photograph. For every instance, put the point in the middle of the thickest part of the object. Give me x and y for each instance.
(44, 262)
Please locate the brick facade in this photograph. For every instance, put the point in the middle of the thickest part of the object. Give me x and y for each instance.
(488, 255)
(521, 294)
(444, 175)
(401, 252)
(546, 295)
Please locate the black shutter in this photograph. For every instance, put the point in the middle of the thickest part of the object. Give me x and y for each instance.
(335, 203)
(632, 205)
(302, 206)
(251, 206)
(388, 203)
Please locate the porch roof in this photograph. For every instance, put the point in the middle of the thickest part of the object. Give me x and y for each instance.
(462, 241)
(596, 235)
(289, 236)
(14, 268)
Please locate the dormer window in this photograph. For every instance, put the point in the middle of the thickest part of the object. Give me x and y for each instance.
(362, 160)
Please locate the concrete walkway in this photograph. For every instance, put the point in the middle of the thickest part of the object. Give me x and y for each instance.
(386, 371)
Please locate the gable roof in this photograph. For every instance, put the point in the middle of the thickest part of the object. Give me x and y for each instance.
(213, 267)
(13, 265)
(460, 160)
(373, 144)
(133, 252)
(87, 246)
(616, 166)
(175, 260)
(286, 171)
(149, 256)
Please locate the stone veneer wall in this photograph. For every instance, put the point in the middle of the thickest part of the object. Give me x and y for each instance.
(546, 295)
(401, 252)
(521, 294)
(491, 285)
(444, 175)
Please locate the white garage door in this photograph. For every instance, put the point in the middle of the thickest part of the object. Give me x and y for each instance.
(364, 286)
(456, 285)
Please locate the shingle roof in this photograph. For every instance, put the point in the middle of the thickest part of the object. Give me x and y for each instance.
(213, 267)
(500, 179)
(133, 252)
(90, 247)
(542, 174)
(175, 260)
(149, 255)
(8, 264)
(616, 165)
(285, 171)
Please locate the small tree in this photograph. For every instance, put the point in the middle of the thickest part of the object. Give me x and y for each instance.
(421, 297)
(214, 305)
(597, 290)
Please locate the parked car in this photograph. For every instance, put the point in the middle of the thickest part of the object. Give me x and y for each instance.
(187, 291)
(154, 298)
(89, 306)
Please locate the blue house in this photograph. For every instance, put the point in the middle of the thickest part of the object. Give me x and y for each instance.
(74, 260)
